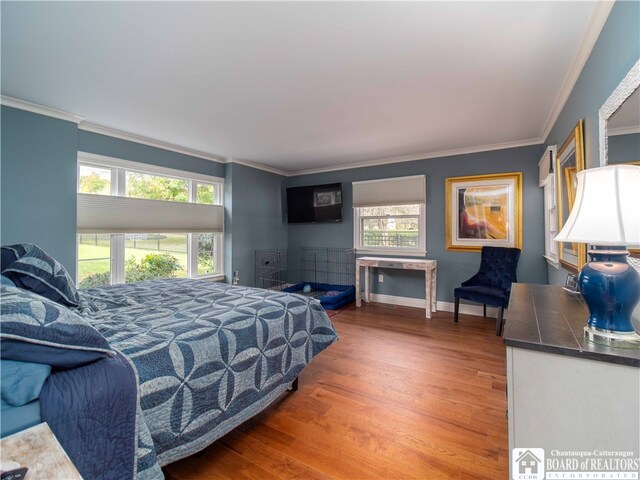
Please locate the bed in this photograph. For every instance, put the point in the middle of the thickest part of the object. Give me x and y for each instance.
(188, 361)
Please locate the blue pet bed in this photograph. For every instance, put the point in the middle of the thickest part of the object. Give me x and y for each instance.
(331, 297)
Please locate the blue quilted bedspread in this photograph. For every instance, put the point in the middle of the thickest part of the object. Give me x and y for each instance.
(208, 355)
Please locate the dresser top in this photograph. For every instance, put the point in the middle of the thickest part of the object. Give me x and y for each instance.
(549, 319)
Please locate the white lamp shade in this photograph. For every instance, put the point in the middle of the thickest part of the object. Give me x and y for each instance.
(606, 210)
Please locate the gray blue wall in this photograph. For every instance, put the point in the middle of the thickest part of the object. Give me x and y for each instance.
(453, 267)
(624, 148)
(137, 152)
(615, 52)
(228, 221)
(39, 180)
(38, 194)
(257, 222)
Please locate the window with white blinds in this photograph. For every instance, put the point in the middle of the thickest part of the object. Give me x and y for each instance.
(137, 222)
(389, 216)
(546, 180)
(390, 191)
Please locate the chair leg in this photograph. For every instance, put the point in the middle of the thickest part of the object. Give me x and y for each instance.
(499, 321)
(455, 310)
(484, 310)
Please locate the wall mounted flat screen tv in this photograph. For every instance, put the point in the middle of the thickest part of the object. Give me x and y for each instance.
(315, 204)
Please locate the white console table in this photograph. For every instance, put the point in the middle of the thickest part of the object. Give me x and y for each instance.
(430, 268)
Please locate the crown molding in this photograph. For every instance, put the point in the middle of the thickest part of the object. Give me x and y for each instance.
(419, 156)
(596, 23)
(39, 109)
(258, 166)
(612, 132)
(112, 132)
(106, 161)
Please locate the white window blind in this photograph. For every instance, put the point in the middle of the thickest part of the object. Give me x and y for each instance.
(390, 191)
(114, 214)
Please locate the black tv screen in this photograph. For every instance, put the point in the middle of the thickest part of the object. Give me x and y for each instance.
(317, 203)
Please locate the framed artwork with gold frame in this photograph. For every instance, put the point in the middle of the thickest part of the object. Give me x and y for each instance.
(569, 161)
(484, 210)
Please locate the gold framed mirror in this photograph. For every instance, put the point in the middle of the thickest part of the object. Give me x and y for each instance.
(569, 161)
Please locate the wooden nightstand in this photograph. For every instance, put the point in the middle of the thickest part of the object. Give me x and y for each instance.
(38, 449)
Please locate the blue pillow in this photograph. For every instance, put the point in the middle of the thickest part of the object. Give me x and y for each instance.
(21, 382)
(6, 281)
(42, 327)
(35, 270)
(11, 253)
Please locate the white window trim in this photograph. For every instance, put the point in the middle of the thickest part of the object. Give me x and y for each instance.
(118, 168)
(421, 251)
(550, 220)
(111, 162)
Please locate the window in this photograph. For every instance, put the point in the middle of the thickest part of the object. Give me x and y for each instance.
(140, 222)
(548, 182)
(389, 216)
(207, 258)
(155, 255)
(93, 179)
(156, 187)
(206, 193)
(94, 260)
(390, 227)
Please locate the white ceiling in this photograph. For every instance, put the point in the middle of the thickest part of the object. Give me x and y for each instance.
(299, 85)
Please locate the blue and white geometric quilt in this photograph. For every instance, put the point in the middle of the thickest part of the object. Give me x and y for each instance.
(208, 355)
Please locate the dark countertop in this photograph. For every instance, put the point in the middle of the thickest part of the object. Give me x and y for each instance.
(549, 319)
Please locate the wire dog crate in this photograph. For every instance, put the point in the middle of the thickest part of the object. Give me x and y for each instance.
(326, 274)
(328, 265)
(271, 269)
(278, 268)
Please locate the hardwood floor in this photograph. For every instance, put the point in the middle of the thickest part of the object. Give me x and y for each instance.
(399, 396)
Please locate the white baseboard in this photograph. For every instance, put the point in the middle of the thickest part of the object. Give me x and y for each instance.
(393, 300)
(465, 309)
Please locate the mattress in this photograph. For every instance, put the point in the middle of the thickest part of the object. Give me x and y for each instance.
(15, 419)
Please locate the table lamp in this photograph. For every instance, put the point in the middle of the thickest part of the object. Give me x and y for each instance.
(606, 214)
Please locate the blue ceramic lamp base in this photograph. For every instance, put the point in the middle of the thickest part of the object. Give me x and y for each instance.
(611, 289)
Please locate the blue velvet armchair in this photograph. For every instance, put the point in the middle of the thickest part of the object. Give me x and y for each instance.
(492, 284)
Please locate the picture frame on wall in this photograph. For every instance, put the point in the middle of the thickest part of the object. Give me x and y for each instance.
(484, 210)
(569, 161)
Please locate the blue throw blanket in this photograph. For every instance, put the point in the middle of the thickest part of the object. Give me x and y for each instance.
(93, 412)
(90, 400)
(208, 355)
